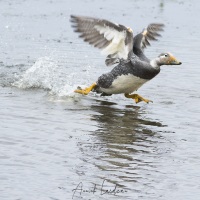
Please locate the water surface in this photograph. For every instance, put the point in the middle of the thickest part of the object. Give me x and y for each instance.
(53, 141)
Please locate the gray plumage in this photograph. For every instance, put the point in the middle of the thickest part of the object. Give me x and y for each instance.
(150, 33)
(105, 35)
(112, 59)
(140, 42)
(135, 67)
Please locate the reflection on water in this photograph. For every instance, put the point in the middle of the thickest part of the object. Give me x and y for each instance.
(121, 125)
(122, 147)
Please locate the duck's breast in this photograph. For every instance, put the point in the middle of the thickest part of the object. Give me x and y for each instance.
(124, 84)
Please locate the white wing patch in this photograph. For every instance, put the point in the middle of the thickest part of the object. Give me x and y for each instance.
(117, 39)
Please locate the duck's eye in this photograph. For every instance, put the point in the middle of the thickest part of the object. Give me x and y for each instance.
(166, 55)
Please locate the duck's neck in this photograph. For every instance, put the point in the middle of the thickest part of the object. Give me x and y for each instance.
(155, 63)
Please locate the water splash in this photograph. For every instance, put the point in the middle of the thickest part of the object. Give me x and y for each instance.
(40, 75)
(47, 74)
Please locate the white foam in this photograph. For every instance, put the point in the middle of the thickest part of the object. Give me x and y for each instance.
(40, 75)
(46, 74)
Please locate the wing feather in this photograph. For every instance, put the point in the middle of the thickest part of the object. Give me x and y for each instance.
(142, 39)
(112, 38)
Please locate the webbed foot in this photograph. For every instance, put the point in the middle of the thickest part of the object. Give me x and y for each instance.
(137, 98)
(86, 90)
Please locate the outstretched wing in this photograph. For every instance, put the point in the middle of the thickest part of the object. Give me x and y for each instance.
(112, 39)
(140, 42)
(142, 39)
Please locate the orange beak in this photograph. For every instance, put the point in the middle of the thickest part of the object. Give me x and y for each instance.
(174, 61)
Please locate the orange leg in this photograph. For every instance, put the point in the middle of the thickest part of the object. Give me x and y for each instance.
(137, 98)
(86, 90)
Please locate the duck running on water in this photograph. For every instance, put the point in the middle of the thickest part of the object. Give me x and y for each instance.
(120, 46)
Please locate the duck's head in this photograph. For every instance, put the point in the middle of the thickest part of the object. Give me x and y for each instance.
(167, 59)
